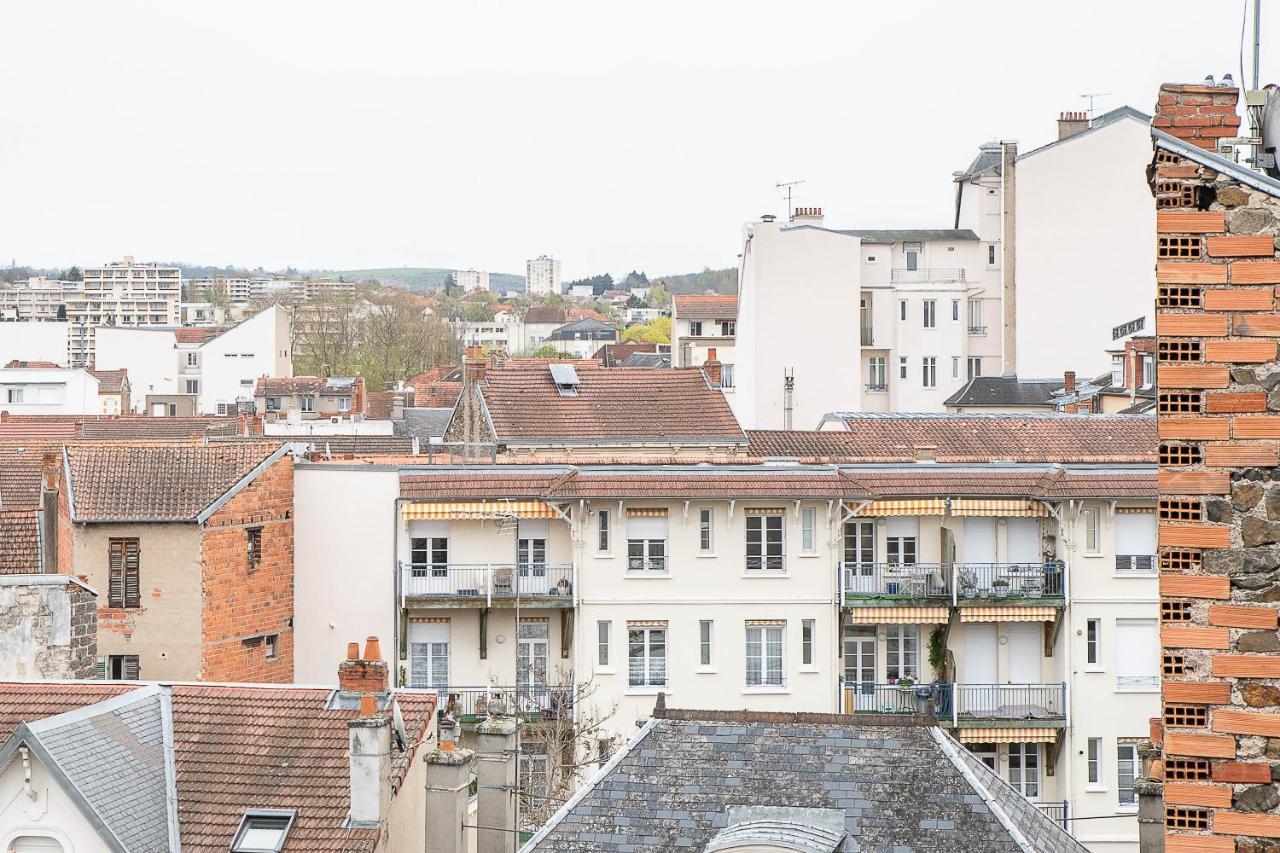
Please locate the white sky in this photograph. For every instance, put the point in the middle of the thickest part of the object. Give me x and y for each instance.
(478, 134)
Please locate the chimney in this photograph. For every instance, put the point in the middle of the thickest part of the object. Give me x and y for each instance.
(397, 408)
(370, 765)
(1069, 124)
(448, 800)
(474, 365)
(1198, 114)
(358, 403)
(496, 782)
(807, 216)
(361, 676)
(1069, 378)
(711, 367)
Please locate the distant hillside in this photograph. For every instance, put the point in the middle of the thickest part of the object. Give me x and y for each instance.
(422, 278)
(716, 281)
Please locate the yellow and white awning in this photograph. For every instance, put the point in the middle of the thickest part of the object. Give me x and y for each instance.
(899, 615)
(954, 506)
(1009, 735)
(474, 510)
(1008, 614)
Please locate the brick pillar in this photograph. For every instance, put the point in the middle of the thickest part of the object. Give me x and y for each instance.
(1219, 489)
(448, 797)
(496, 781)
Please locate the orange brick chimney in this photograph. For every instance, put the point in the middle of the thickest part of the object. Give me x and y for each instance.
(1198, 114)
(363, 675)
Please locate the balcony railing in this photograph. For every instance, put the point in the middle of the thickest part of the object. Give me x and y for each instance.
(871, 698)
(877, 386)
(932, 274)
(766, 563)
(1135, 564)
(487, 581)
(977, 331)
(957, 581)
(1059, 812)
(529, 701)
(647, 564)
(1137, 682)
(1010, 702)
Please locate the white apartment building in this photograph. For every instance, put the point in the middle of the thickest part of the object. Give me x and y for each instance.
(236, 290)
(323, 289)
(37, 298)
(124, 294)
(701, 324)
(542, 276)
(49, 391)
(470, 280)
(215, 367)
(34, 340)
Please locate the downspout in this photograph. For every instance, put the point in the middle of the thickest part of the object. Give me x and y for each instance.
(398, 591)
(1068, 648)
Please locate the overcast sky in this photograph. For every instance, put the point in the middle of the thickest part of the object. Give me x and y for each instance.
(478, 134)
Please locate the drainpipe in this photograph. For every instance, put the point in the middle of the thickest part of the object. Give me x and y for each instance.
(397, 590)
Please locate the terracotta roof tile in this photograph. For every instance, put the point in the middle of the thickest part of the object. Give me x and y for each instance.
(611, 404)
(452, 484)
(111, 381)
(20, 465)
(197, 334)
(19, 363)
(19, 541)
(544, 315)
(331, 387)
(27, 701)
(156, 482)
(145, 427)
(699, 306)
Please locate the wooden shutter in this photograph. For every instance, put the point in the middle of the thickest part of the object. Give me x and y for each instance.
(115, 585)
(132, 593)
(131, 669)
(102, 669)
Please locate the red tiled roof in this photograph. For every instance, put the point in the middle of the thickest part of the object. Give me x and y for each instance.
(21, 463)
(17, 362)
(445, 372)
(611, 404)
(473, 485)
(378, 405)
(584, 313)
(612, 355)
(545, 314)
(269, 387)
(24, 702)
(711, 483)
(437, 395)
(156, 482)
(19, 541)
(197, 334)
(111, 381)
(699, 306)
(145, 427)
(970, 438)
(19, 428)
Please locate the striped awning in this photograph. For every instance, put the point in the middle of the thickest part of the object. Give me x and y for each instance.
(1010, 735)
(899, 615)
(1135, 510)
(646, 623)
(474, 510)
(1008, 614)
(647, 512)
(954, 506)
(765, 510)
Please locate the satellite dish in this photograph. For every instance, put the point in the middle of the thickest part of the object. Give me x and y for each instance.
(397, 726)
(1271, 130)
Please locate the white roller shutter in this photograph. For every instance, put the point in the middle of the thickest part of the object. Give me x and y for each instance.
(979, 653)
(1137, 653)
(902, 525)
(534, 528)
(1024, 652)
(979, 544)
(1136, 534)
(1023, 538)
(424, 529)
(646, 527)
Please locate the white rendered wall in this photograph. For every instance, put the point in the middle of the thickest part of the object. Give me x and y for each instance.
(28, 340)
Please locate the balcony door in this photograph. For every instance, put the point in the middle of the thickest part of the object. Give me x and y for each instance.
(860, 668)
(429, 654)
(1024, 769)
(860, 556)
(532, 655)
(428, 559)
(531, 555)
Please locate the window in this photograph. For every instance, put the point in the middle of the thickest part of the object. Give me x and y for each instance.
(1092, 640)
(272, 646)
(603, 629)
(647, 541)
(876, 380)
(262, 831)
(900, 550)
(193, 386)
(929, 371)
(913, 259)
(764, 656)
(991, 254)
(1126, 770)
(122, 585)
(726, 376)
(534, 776)
(602, 531)
(647, 656)
(704, 642)
(955, 367)
(1117, 371)
(706, 536)
(1024, 769)
(253, 545)
(1093, 760)
(120, 667)
(871, 259)
(975, 317)
(1137, 653)
(728, 328)
(273, 404)
(344, 404)
(193, 359)
(930, 313)
(955, 310)
(806, 642)
(14, 395)
(902, 652)
(808, 530)
(429, 655)
(1148, 372)
(1092, 544)
(307, 403)
(695, 328)
(764, 542)
(429, 556)
(902, 367)
(222, 408)
(973, 368)
(902, 310)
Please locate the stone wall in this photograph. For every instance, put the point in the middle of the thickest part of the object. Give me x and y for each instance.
(48, 627)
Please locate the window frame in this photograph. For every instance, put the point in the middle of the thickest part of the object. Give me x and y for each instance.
(1093, 643)
(766, 682)
(253, 545)
(604, 645)
(285, 815)
(902, 652)
(1093, 764)
(1092, 517)
(808, 631)
(706, 636)
(929, 371)
(902, 310)
(271, 646)
(604, 532)
(903, 367)
(973, 367)
(647, 634)
(766, 558)
(929, 314)
(127, 589)
(808, 531)
(1126, 801)
(706, 531)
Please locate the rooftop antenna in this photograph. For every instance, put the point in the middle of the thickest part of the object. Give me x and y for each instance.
(788, 391)
(787, 185)
(1090, 96)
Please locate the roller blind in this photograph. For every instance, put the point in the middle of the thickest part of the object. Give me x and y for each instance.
(1136, 534)
(646, 527)
(1137, 649)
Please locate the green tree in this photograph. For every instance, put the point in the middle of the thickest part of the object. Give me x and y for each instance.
(73, 274)
(658, 331)
(548, 351)
(659, 296)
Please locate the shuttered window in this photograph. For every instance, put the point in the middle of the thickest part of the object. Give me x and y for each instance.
(123, 588)
(1137, 654)
(119, 667)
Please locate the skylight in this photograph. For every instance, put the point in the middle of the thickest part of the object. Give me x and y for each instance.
(263, 831)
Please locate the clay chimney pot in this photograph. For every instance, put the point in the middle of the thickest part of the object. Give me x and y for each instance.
(372, 649)
(368, 706)
(353, 651)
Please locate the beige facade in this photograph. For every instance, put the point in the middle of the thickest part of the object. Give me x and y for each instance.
(121, 294)
(48, 821)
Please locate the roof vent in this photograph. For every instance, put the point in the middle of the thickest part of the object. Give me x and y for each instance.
(566, 379)
(263, 830)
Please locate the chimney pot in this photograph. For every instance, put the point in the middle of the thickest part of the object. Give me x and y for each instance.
(372, 649)
(368, 706)
(353, 651)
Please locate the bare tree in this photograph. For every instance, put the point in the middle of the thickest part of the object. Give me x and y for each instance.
(325, 334)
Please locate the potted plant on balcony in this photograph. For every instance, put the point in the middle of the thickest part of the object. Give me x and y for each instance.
(906, 683)
(1000, 587)
(968, 583)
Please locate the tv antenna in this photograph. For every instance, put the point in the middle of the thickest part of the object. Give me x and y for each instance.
(1090, 96)
(788, 185)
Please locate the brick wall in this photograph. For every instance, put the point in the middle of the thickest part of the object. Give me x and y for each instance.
(242, 603)
(1219, 535)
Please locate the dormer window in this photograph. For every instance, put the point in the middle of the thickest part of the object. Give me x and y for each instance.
(566, 379)
(263, 831)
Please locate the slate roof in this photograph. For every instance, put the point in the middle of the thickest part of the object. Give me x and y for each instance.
(232, 747)
(910, 235)
(423, 423)
(586, 329)
(988, 160)
(156, 482)
(983, 437)
(675, 785)
(19, 541)
(613, 355)
(648, 360)
(1006, 391)
(706, 306)
(611, 404)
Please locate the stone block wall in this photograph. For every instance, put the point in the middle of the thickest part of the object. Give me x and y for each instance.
(1217, 278)
(48, 627)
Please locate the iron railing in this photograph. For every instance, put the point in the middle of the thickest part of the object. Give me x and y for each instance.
(1137, 682)
(1011, 701)
(488, 580)
(877, 386)
(932, 274)
(766, 563)
(1135, 564)
(959, 580)
(1058, 811)
(1009, 580)
(977, 330)
(528, 701)
(913, 580)
(646, 564)
(866, 697)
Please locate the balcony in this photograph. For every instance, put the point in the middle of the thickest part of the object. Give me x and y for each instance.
(1010, 702)
(531, 702)
(977, 331)
(959, 582)
(926, 275)
(1058, 811)
(1136, 565)
(479, 585)
(915, 699)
